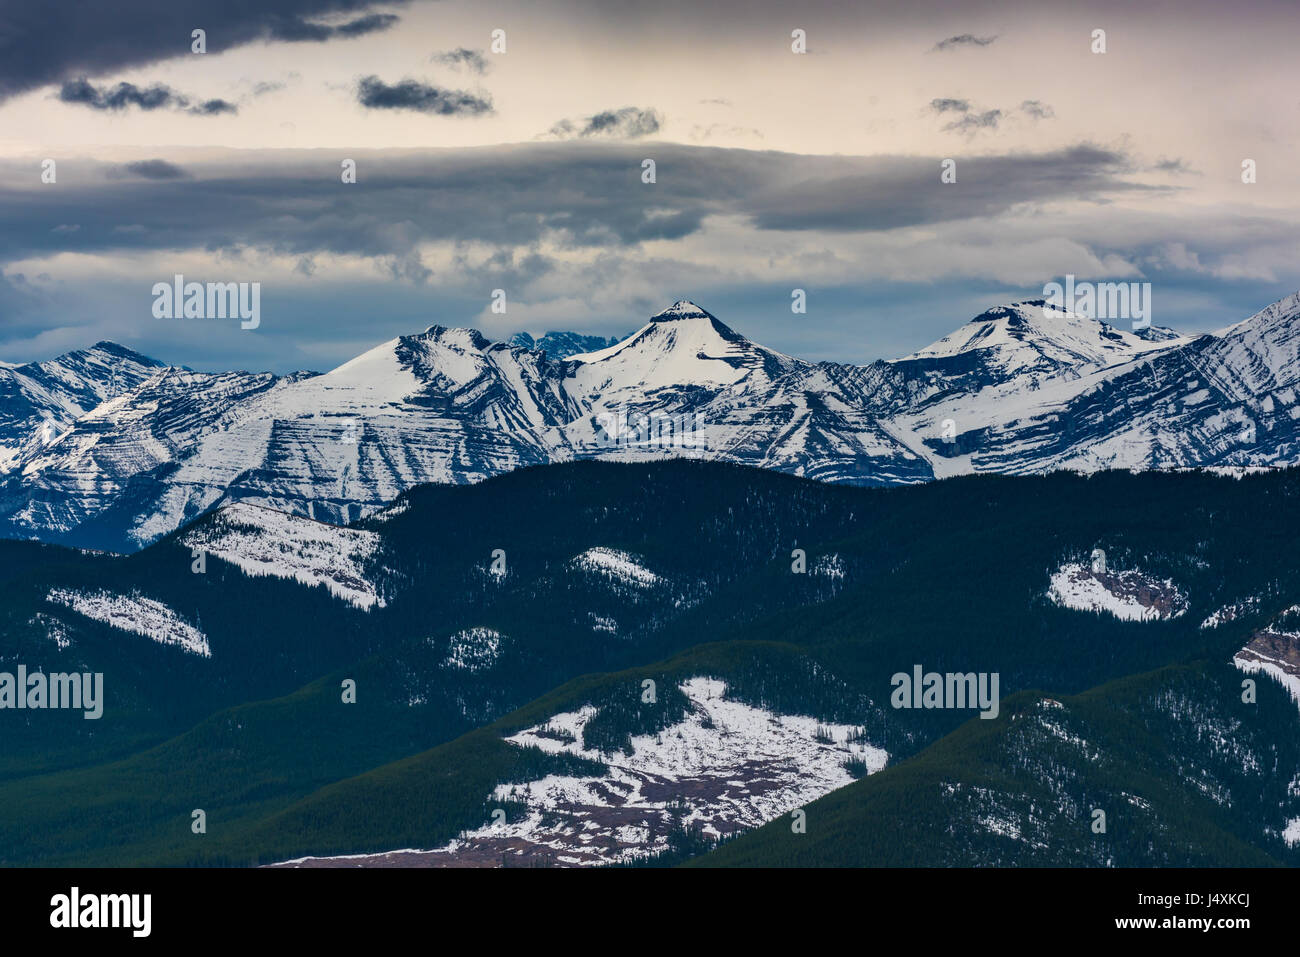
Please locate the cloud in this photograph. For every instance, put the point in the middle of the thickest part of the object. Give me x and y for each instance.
(738, 227)
(970, 121)
(1037, 109)
(949, 105)
(1176, 256)
(213, 107)
(626, 123)
(156, 97)
(374, 93)
(899, 192)
(471, 60)
(975, 122)
(963, 40)
(701, 133)
(156, 169)
(296, 29)
(574, 195)
(1176, 165)
(371, 23)
(38, 48)
(82, 91)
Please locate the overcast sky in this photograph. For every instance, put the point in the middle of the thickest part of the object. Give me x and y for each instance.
(521, 170)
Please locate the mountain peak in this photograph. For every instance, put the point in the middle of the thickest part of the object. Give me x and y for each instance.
(458, 337)
(1014, 311)
(1032, 336)
(682, 309)
(118, 351)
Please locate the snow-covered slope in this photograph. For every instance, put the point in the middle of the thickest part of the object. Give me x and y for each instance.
(38, 401)
(135, 614)
(616, 566)
(261, 541)
(1031, 337)
(1260, 354)
(727, 767)
(1275, 651)
(139, 449)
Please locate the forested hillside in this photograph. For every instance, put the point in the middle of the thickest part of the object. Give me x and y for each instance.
(476, 620)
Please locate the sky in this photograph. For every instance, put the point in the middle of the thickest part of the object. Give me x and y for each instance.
(517, 165)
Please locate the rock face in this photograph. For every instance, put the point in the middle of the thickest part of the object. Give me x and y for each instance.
(108, 449)
(1275, 651)
(1129, 594)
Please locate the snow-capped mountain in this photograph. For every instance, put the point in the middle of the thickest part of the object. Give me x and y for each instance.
(41, 399)
(1030, 341)
(137, 449)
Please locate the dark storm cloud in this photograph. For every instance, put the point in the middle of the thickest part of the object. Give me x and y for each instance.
(370, 23)
(896, 192)
(374, 93)
(1175, 165)
(578, 195)
(292, 29)
(156, 97)
(626, 123)
(150, 169)
(462, 57)
(59, 40)
(963, 40)
(1037, 109)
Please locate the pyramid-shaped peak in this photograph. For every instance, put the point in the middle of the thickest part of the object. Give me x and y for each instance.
(682, 309)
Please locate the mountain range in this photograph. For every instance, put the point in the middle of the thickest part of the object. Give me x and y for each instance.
(108, 449)
(595, 663)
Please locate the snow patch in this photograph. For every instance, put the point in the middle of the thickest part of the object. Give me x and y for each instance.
(135, 614)
(733, 765)
(726, 767)
(474, 649)
(619, 566)
(1129, 595)
(263, 542)
(1252, 661)
(55, 630)
(1231, 612)
(831, 566)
